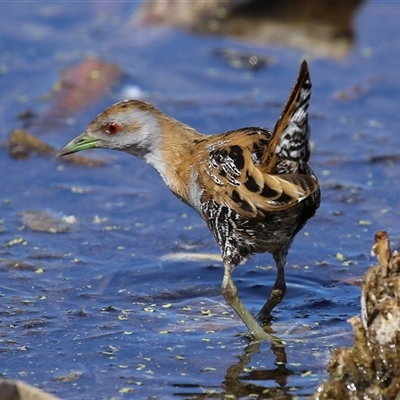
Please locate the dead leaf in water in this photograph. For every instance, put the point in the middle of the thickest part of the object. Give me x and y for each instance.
(22, 144)
(83, 85)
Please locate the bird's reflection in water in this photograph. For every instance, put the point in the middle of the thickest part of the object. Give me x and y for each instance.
(241, 385)
(240, 379)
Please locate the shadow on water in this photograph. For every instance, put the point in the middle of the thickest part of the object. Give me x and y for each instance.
(324, 28)
(91, 305)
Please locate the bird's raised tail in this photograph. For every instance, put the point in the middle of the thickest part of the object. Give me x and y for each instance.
(289, 146)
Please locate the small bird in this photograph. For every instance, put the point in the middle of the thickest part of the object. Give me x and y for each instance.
(253, 187)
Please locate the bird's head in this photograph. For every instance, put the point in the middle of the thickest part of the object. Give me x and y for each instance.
(131, 126)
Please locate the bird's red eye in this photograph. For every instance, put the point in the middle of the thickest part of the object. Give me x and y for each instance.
(112, 128)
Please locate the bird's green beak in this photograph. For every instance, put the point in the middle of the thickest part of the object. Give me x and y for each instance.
(82, 142)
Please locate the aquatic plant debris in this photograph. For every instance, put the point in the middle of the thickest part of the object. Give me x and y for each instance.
(371, 368)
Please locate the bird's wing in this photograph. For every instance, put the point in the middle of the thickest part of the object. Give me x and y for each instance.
(234, 177)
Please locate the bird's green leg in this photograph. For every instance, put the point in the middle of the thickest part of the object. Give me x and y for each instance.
(231, 296)
(278, 291)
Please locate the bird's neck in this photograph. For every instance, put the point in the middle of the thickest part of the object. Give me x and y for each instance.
(173, 154)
